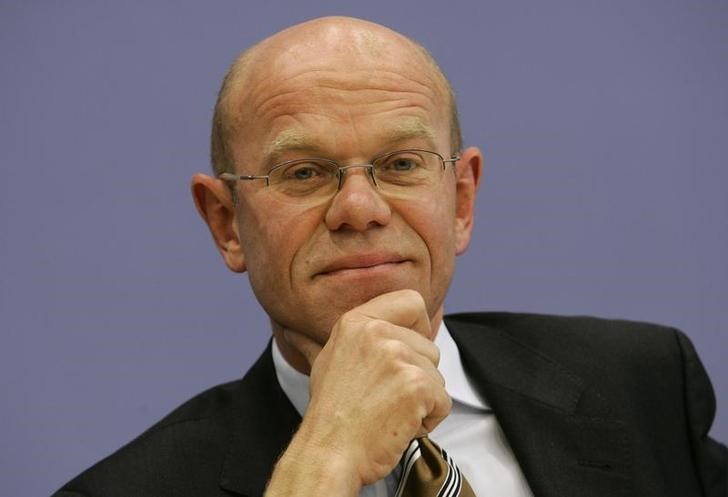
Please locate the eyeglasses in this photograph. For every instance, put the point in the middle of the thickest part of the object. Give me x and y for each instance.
(400, 173)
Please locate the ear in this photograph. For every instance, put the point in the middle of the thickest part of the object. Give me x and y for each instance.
(467, 172)
(215, 204)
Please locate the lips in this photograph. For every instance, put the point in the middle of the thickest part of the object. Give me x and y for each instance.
(361, 261)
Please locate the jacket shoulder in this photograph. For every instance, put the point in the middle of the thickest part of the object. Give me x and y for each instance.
(560, 335)
(192, 440)
(630, 371)
(633, 363)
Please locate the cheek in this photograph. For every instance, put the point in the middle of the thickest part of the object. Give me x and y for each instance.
(272, 234)
(434, 221)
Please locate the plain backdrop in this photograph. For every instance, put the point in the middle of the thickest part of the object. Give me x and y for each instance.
(605, 130)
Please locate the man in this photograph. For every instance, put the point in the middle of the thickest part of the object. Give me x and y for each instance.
(342, 188)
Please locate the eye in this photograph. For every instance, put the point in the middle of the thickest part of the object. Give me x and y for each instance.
(302, 172)
(400, 163)
(303, 177)
(305, 171)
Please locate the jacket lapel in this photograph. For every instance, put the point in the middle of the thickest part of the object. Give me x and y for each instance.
(261, 429)
(537, 401)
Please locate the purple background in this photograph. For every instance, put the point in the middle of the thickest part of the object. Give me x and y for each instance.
(605, 129)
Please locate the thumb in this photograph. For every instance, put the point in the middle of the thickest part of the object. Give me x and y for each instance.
(304, 345)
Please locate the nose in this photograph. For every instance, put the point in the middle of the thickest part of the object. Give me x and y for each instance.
(357, 205)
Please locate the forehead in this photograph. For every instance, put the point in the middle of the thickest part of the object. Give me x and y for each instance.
(330, 94)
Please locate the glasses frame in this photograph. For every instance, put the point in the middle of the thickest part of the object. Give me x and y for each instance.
(341, 170)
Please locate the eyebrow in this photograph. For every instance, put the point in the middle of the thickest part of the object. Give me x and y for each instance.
(292, 140)
(409, 129)
(289, 140)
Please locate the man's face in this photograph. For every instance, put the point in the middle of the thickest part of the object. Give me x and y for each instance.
(310, 263)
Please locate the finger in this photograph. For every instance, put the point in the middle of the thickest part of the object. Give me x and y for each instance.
(416, 343)
(402, 307)
(427, 365)
(440, 409)
(309, 348)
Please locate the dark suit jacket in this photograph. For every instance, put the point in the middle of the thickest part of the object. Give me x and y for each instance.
(590, 407)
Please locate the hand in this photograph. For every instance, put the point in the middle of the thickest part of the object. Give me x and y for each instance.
(374, 386)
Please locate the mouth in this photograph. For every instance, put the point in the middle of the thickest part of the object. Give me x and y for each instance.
(362, 264)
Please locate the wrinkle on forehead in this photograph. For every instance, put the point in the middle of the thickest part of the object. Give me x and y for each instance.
(332, 92)
(295, 139)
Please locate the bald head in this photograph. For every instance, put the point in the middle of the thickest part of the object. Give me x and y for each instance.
(349, 45)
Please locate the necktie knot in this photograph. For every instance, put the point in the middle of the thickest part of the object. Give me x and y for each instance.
(428, 471)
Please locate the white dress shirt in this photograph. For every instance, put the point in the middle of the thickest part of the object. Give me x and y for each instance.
(470, 434)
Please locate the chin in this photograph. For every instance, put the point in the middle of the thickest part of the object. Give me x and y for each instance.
(346, 298)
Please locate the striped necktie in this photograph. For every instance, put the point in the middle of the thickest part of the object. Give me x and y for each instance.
(427, 471)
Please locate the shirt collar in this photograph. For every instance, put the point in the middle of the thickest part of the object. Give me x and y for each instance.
(293, 382)
(457, 384)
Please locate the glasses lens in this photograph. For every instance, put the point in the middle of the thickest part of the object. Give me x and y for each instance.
(406, 169)
(310, 178)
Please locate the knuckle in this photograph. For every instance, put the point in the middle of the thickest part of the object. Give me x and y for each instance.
(417, 383)
(375, 327)
(435, 354)
(348, 319)
(447, 403)
(395, 348)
